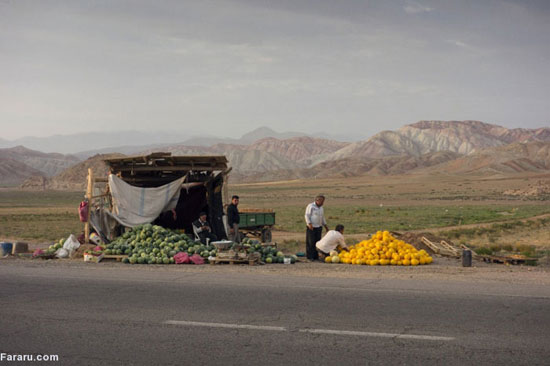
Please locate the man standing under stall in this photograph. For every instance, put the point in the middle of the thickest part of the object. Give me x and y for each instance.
(315, 221)
(233, 220)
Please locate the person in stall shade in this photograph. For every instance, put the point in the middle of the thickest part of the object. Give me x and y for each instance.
(202, 229)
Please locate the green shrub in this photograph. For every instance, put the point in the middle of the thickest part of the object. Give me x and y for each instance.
(508, 248)
(495, 248)
(483, 251)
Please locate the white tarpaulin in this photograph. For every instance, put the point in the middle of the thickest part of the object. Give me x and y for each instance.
(134, 206)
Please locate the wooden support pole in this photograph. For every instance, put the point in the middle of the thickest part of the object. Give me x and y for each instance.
(89, 196)
(225, 194)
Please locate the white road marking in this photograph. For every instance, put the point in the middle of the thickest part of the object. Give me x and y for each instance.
(315, 331)
(223, 325)
(373, 334)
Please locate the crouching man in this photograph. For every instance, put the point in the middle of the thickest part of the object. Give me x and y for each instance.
(331, 241)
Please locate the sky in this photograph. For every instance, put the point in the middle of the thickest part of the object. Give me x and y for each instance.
(224, 68)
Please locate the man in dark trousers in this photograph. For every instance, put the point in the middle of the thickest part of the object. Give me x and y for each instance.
(233, 220)
(315, 221)
(202, 229)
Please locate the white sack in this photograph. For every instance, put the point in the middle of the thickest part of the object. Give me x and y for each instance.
(62, 253)
(71, 244)
(134, 206)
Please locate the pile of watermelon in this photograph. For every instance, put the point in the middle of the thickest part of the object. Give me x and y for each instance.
(269, 253)
(153, 244)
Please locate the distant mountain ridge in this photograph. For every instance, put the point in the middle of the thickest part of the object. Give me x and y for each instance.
(424, 147)
(463, 137)
(49, 164)
(88, 144)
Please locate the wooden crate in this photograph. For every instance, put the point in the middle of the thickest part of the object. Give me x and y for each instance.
(443, 248)
(117, 257)
(511, 259)
(250, 262)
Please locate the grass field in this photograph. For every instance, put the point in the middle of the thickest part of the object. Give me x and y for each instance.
(363, 205)
(367, 204)
(365, 219)
(39, 216)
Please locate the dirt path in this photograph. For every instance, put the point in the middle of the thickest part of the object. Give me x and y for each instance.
(288, 235)
(485, 224)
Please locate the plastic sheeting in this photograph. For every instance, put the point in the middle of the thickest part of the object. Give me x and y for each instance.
(134, 206)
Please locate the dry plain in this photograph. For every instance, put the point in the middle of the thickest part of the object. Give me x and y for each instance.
(472, 210)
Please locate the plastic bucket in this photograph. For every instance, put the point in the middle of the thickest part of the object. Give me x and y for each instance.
(5, 248)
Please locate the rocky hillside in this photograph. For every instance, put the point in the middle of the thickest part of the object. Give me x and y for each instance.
(389, 165)
(268, 154)
(518, 157)
(302, 150)
(13, 172)
(48, 164)
(73, 178)
(462, 137)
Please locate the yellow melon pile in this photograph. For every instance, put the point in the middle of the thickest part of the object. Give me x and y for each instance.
(382, 249)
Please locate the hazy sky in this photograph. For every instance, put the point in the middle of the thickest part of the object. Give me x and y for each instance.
(227, 67)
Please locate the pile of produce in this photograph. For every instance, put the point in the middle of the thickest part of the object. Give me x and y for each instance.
(54, 247)
(381, 249)
(97, 251)
(153, 244)
(269, 254)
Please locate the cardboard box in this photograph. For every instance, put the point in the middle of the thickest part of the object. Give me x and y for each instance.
(93, 258)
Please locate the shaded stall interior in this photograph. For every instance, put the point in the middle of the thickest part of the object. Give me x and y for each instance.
(202, 189)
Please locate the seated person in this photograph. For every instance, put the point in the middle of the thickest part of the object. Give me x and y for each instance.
(331, 241)
(202, 229)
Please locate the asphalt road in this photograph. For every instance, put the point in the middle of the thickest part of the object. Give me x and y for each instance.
(125, 317)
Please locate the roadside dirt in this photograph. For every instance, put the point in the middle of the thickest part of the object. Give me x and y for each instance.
(441, 269)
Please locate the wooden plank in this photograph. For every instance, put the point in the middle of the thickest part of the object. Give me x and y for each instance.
(441, 249)
(450, 248)
(177, 168)
(118, 257)
(194, 159)
(430, 245)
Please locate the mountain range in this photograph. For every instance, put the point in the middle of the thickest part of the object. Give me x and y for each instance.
(84, 145)
(425, 147)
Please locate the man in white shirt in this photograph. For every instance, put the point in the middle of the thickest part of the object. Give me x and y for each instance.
(330, 242)
(315, 221)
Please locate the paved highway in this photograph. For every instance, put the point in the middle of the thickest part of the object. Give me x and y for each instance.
(126, 317)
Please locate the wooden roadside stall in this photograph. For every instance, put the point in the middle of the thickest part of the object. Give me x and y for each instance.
(204, 188)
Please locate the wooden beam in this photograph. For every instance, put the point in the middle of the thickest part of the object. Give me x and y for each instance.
(177, 168)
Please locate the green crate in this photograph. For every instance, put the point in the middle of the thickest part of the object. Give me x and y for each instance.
(255, 219)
